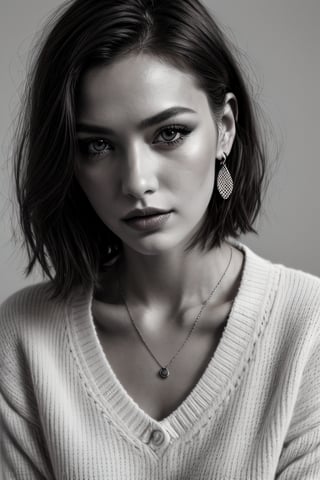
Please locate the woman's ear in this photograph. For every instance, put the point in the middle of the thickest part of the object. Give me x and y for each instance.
(227, 125)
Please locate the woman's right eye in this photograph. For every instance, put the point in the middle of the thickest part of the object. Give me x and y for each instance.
(93, 147)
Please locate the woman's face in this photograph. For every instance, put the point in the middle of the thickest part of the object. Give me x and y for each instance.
(147, 138)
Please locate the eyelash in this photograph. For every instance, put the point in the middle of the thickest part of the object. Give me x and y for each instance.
(84, 144)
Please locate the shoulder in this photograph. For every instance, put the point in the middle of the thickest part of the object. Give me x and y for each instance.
(299, 290)
(28, 301)
(298, 296)
(294, 282)
(294, 286)
(28, 310)
(296, 301)
(294, 295)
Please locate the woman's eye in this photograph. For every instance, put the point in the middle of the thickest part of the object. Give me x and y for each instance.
(170, 135)
(93, 147)
(173, 134)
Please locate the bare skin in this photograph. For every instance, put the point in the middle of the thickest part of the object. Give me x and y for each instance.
(164, 333)
(130, 168)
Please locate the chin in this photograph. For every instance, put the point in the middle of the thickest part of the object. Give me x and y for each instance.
(152, 244)
(150, 247)
(158, 244)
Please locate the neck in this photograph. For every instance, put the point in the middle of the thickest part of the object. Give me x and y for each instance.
(172, 279)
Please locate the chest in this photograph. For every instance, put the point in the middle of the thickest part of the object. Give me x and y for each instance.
(138, 371)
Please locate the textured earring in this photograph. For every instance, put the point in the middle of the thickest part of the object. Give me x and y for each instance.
(224, 180)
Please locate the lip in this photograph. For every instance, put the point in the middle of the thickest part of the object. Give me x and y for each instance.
(148, 221)
(143, 212)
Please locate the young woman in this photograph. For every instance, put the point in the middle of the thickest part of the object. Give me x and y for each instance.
(159, 347)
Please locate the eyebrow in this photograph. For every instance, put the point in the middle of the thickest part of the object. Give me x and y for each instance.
(148, 122)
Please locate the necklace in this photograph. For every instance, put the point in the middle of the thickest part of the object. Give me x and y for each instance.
(164, 371)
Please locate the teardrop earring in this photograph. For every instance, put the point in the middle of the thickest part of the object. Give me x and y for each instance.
(224, 180)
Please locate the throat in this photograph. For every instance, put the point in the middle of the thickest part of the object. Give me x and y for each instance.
(173, 279)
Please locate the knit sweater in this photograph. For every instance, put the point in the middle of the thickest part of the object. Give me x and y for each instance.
(253, 415)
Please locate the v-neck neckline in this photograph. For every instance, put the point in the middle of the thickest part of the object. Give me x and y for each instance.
(245, 323)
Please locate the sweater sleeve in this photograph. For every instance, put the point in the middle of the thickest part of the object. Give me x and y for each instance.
(22, 455)
(22, 449)
(300, 457)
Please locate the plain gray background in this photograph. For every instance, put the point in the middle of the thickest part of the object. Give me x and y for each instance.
(281, 40)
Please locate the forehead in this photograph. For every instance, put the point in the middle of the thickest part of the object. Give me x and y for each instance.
(137, 86)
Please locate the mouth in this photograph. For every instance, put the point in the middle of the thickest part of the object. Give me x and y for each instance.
(148, 219)
(145, 212)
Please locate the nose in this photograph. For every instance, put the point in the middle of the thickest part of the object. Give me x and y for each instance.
(139, 173)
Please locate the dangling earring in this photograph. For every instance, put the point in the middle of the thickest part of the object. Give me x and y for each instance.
(224, 180)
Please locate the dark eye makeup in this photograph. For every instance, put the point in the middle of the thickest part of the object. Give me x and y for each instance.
(96, 146)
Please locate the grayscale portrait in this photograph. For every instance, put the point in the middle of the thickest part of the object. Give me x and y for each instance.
(160, 266)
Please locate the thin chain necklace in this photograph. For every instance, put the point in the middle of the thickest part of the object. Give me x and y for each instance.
(164, 370)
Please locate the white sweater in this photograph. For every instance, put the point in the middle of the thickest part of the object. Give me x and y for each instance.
(254, 414)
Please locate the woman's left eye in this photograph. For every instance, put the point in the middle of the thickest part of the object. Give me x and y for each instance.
(170, 133)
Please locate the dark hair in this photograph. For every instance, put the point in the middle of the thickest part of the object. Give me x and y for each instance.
(60, 228)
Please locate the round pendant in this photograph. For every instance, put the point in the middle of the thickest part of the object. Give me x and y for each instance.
(164, 372)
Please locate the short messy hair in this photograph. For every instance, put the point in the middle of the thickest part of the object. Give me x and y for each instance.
(60, 228)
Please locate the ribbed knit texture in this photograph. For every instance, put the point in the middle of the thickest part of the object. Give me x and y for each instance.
(253, 415)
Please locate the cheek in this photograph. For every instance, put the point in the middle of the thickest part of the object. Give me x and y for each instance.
(203, 154)
(97, 187)
(194, 168)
